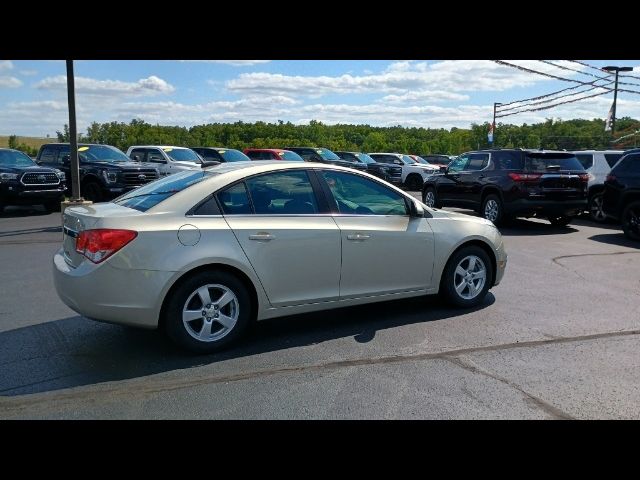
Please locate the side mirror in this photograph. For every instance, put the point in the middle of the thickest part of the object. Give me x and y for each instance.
(416, 210)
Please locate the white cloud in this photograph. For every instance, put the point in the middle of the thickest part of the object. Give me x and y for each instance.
(10, 82)
(425, 96)
(233, 63)
(6, 65)
(28, 73)
(145, 86)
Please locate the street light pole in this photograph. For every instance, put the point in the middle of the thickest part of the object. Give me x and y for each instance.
(615, 94)
(493, 125)
(73, 137)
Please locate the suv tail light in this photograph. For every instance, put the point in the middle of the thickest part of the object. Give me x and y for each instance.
(611, 178)
(99, 244)
(525, 177)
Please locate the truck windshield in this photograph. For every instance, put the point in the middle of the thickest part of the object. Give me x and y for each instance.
(364, 158)
(327, 154)
(183, 155)
(233, 155)
(100, 153)
(14, 158)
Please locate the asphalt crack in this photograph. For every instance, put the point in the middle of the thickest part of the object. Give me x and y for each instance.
(132, 387)
(557, 262)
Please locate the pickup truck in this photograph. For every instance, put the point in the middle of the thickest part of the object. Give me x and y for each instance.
(168, 159)
(413, 173)
(105, 172)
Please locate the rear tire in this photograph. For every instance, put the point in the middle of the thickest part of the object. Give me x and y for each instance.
(492, 209)
(560, 221)
(465, 284)
(631, 221)
(595, 208)
(92, 191)
(207, 324)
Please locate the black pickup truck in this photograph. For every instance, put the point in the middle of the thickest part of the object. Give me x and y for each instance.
(105, 171)
(23, 182)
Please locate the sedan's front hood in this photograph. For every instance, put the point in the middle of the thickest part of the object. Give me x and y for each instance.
(437, 213)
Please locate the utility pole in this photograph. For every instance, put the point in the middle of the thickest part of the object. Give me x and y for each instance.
(492, 138)
(615, 93)
(73, 137)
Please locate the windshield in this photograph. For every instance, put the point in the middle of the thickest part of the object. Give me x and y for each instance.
(233, 156)
(327, 154)
(364, 158)
(421, 160)
(100, 153)
(290, 156)
(182, 154)
(151, 194)
(543, 162)
(14, 158)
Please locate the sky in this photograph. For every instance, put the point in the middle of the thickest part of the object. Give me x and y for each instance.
(416, 93)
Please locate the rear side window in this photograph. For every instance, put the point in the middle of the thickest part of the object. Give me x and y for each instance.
(235, 200)
(282, 193)
(629, 165)
(138, 154)
(151, 194)
(48, 155)
(612, 158)
(545, 162)
(586, 159)
(508, 160)
(477, 161)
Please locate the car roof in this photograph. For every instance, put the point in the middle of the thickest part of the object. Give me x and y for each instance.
(268, 149)
(385, 153)
(597, 151)
(160, 146)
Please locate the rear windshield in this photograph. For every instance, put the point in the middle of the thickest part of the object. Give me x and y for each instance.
(153, 193)
(544, 162)
(233, 156)
(290, 156)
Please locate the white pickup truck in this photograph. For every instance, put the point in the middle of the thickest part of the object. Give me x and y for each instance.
(413, 173)
(168, 159)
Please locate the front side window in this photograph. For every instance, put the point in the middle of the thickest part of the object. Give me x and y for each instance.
(459, 164)
(49, 155)
(612, 158)
(282, 193)
(629, 165)
(137, 154)
(360, 196)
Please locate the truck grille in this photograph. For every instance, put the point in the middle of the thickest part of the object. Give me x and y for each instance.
(45, 178)
(139, 177)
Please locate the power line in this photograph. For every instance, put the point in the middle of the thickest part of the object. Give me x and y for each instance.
(554, 105)
(524, 69)
(547, 95)
(561, 96)
(601, 70)
(572, 69)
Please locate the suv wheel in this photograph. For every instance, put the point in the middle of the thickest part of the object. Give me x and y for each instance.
(560, 221)
(631, 221)
(91, 191)
(413, 182)
(492, 209)
(467, 277)
(207, 312)
(595, 208)
(430, 198)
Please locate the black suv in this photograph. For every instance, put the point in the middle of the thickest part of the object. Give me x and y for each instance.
(221, 155)
(507, 183)
(389, 173)
(23, 182)
(621, 199)
(105, 172)
(324, 155)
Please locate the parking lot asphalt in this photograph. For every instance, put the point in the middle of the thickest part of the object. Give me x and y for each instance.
(557, 339)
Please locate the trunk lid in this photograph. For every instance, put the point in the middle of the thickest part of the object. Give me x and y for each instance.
(562, 176)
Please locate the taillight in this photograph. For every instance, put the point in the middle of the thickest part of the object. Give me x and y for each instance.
(584, 177)
(525, 177)
(611, 178)
(99, 244)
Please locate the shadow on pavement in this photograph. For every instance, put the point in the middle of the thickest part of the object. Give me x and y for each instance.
(16, 212)
(615, 239)
(75, 351)
(521, 226)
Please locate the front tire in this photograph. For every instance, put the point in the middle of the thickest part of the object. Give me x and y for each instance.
(560, 221)
(631, 221)
(467, 277)
(595, 208)
(92, 191)
(207, 312)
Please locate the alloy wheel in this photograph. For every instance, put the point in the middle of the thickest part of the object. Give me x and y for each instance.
(596, 211)
(469, 277)
(210, 312)
(491, 210)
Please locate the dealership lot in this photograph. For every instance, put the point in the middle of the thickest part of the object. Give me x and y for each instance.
(558, 338)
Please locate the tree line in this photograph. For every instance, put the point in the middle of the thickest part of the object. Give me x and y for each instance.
(550, 134)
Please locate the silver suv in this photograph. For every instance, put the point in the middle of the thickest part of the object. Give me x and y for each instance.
(598, 164)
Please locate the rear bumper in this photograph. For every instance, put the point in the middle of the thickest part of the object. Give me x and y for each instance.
(545, 207)
(105, 293)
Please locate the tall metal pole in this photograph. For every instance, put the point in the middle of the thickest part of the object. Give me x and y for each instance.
(73, 137)
(615, 99)
(493, 124)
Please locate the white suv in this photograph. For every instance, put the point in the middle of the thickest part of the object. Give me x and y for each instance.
(169, 159)
(598, 164)
(413, 173)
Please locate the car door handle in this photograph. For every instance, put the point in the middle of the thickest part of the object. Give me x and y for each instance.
(261, 237)
(358, 236)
